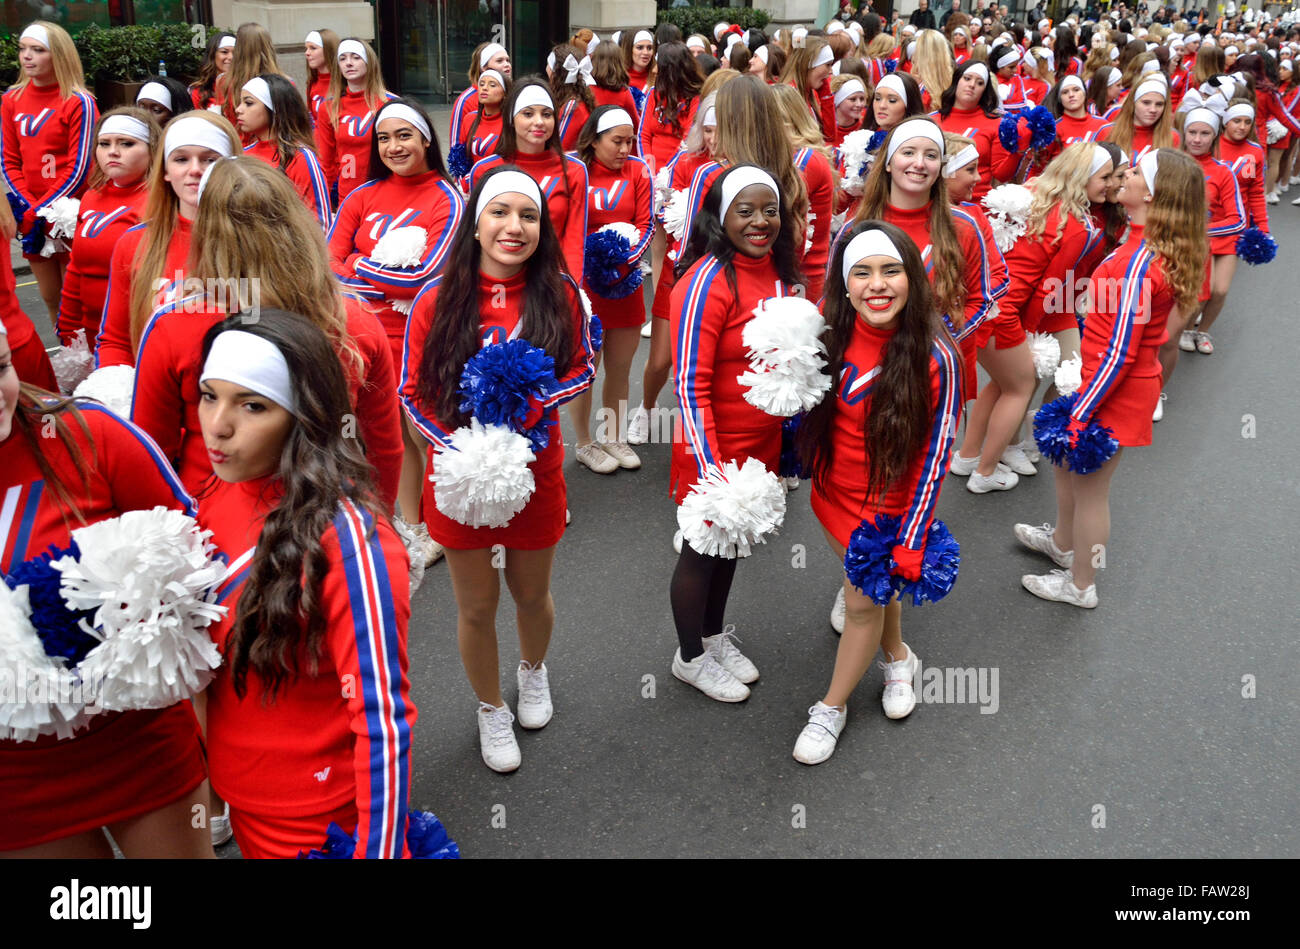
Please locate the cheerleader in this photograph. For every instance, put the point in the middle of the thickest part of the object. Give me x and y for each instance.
(485, 56)
(850, 106)
(531, 140)
(148, 264)
(482, 131)
(1145, 121)
(206, 92)
(1005, 64)
(638, 49)
(163, 98)
(809, 70)
(125, 144)
(1036, 75)
(877, 449)
(507, 243)
(612, 87)
(343, 123)
(49, 119)
(139, 773)
(1227, 219)
(1156, 273)
(255, 245)
(320, 49)
(969, 107)
(767, 62)
(571, 84)
(812, 160)
(254, 56)
(960, 45)
(670, 105)
(931, 67)
(741, 251)
(1271, 115)
(1239, 146)
(620, 191)
(895, 98)
(1103, 93)
(1065, 50)
(316, 594)
(271, 115)
(1068, 103)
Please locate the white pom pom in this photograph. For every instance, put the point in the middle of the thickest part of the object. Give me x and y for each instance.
(62, 213)
(1046, 352)
(484, 480)
(1276, 131)
(112, 385)
(663, 190)
(853, 151)
(808, 234)
(72, 363)
(402, 306)
(675, 214)
(586, 302)
(148, 576)
(1008, 207)
(1069, 375)
(401, 247)
(625, 230)
(46, 698)
(731, 509)
(837, 221)
(786, 356)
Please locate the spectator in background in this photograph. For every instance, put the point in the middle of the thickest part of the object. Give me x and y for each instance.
(923, 17)
(956, 8)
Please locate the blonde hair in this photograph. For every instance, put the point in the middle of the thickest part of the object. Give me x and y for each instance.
(160, 212)
(881, 45)
(1100, 56)
(97, 178)
(715, 81)
(804, 132)
(693, 140)
(932, 64)
(1162, 133)
(799, 65)
(1064, 182)
(63, 57)
(1175, 227)
(747, 135)
(374, 89)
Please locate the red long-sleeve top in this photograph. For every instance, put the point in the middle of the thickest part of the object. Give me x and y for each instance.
(466, 103)
(682, 169)
(304, 171)
(820, 182)
(342, 733)
(38, 124)
(318, 89)
(480, 140)
(1048, 274)
(1141, 142)
(1223, 202)
(1248, 162)
(821, 103)
(622, 98)
(344, 147)
(625, 196)
(165, 402)
(572, 118)
(563, 182)
(659, 139)
(105, 215)
(995, 162)
(638, 78)
(114, 347)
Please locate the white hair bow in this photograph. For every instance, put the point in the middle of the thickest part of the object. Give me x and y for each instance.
(574, 68)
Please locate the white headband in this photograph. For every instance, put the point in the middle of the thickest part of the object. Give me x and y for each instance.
(227, 42)
(1231, 51)
(732, 40)
(1150, 85)
(493, 74)
(824, 57)
(1100, 158)
(613, 119)
(593, 43)
(1071, 81)
(761, 53)
(740, 179)
(851, 86)
(1114, 77)
(1149, 164)
(976, 22)
(956, 163)
(710, 119)
(834, 28)
(835, 69)
(961, 30)
(203, 181)
(1204, 116)
(257, 87)
(1114, 53)
(1007, 58)
(353, 46)
(797, 34)
(532, 95)
(3, 331)
(694, 42)
(642, 36)
(125, 125)
(1285, 64)
(38, 33)
(1239, 109)
(1030, 59)
(400, 110)
(913, 128)
(617, 37)
(253, 362)
(489, 51)
(891, 81)
(911, 48)
(192, 130)
(314, 39)
(155, 92)
(720, 27)
(1150, 66)
(872, 243)
(980, 69)
(909, 30)
(550, 60)
(507, 182)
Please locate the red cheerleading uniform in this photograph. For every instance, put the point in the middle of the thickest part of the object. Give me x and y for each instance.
(114, 347)
(625, 196)
(638, 78)
(1248, 160)
(995, 162)
(716, 424)
(465, 105)
(682, 168)
(212, 102)
(1142, 142)
(123, 764)
(541, 523)
(304, 171)
(480, 140)
(1121, 342)
(1090, 128)
(318, 90)
(1269, 105)
(316, 749)
(1006, 331)
(572, 118)
(106, 213)
(25, 347)
(623, 99)
(1035, 90)
(1223, 201)
(822, 105)
(820, 182)
(425, 200)
(563, 183)
(344, 147)
(843, 503)
(659, 138)
(1048, 274)
(165, 402)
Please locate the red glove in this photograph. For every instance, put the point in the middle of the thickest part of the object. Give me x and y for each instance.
(908, 562)
(1073, 430)
(536, 409)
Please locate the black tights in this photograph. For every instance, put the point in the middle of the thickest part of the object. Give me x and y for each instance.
(699, 596)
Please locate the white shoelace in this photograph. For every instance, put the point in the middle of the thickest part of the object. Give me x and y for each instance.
(725, 648)
(499, 722)
(532, 691)
(825, 716)
(894, 686)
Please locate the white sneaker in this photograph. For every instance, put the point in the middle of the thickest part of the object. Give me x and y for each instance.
(1043, 540)
(792, 483)
(1159, 413)
(534, 705)
(432, 549)
(1002, 479)
(705, 673)
(594, 457)
(1295, 179)
(1187, 341)
(1059, 586)
(638, 427)
(1284, 186)
(899, 698)
(1030, 448)
(622, 454)
(723, 647)
(496, 738)
(220, 827)
(677, 541)
(1272, 197)
(414, 550)
(963, 467)
(817, 741)
(645, 329)
(1296, 201)
(1016, 459)
(837, 612)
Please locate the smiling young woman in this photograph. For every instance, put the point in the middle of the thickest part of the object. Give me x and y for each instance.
(217, 57)
(1145, 121)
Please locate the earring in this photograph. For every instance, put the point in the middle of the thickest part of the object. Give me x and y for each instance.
(476, 235)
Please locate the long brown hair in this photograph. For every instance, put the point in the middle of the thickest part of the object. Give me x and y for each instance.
(562, 91)
(374, 90)
(677, 82)
(206, 84)
(1121, 132)
(1175, 227)
(254, 56)
(35, 411)
(747, 134)
(68, 73)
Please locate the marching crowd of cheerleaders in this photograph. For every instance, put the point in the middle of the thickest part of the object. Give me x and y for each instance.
(837, 226)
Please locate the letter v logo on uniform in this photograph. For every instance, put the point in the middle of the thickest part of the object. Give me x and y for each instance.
(322, 775)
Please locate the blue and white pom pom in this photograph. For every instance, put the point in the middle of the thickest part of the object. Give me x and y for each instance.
(663, 190)
(638, 98)
(72, 363)
(605, 261)
(1046, 352)
(148, 575)
(594, 327)
(401, 247)
(1255, 247)
(114, 386)
(869, 562)
(1008, 208)
(1094, 446)
(499, 382)
(731, 509)
(786, 356)
(458, 163)
(483, 480)
(426, 838)
(60, 629)
(855, 152)
(891, 65)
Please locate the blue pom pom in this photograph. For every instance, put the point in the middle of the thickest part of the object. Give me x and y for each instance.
(498, 382)
(1009, 132)
(638, 97)
(1042, 127)
(877, 139)
(1050, 428)
(597, 334)
(605, 256)
(791, 464)
(869, 558)
(18, 204)
(938, 567)
(891, 65)
(1255, 247)
(428, 839)
(458, 161)
(339, 845)
(34, 239)
(1093, 448)
(58, 627)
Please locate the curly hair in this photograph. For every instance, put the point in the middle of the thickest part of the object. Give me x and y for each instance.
(1175, 227)
(1064, 185)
